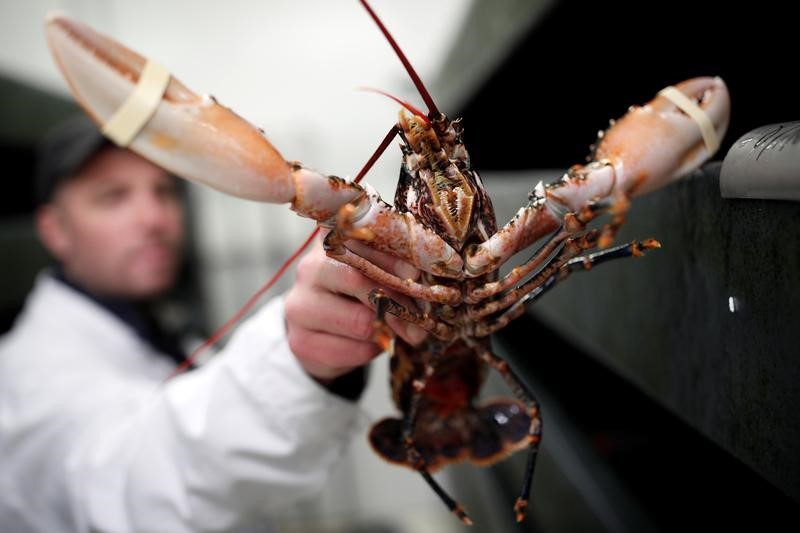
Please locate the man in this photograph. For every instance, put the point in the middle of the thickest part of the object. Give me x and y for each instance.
(92, 437)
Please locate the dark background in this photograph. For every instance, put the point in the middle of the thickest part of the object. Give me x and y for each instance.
(584, 63)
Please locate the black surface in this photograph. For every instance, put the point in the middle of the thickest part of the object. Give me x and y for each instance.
(18, 187)
(664, 322)
(26, 114)
(693, 407)
(675, 475)
(586, 62)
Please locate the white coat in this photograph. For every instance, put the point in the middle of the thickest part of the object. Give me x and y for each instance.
(91, 438)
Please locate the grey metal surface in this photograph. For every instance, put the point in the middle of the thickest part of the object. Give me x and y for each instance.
(705, 325)
(764, 163)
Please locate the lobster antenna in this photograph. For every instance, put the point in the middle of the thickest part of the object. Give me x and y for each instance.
(432, 109)
(226, 327)
(408, 105)
(232, 321)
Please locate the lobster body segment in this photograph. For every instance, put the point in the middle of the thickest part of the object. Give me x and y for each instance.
(450, 427)
(442, 222)
(437, 184)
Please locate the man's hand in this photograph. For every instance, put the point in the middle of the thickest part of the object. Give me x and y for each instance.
(328, 315)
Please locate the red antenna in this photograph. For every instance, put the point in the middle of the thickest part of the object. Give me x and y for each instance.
(232, 321)
(432, 109)
(408, 105)
(226, 327)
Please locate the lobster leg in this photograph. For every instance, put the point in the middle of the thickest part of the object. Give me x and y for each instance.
(477, 293)
(573, 223)
(534, 431)
(335, 247)
(455, 507)
(543, 215)
(572, 248)
(536, 287)
(386, 304)
(413, 458)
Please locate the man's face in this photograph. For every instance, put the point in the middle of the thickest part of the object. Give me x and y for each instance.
(117, 226)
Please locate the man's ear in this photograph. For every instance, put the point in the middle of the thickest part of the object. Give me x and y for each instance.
(50, 226)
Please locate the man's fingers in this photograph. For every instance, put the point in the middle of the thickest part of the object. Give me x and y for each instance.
(319, 274)
(337, 315)
(337, 277)
(329, 318)
(325, 355)
(331, 313)
(408, 332)
(387, 262)
(344, 279)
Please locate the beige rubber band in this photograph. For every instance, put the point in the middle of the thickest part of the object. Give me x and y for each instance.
(710, 137)
(133, 114)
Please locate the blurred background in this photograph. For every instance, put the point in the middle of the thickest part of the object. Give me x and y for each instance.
(669, 386)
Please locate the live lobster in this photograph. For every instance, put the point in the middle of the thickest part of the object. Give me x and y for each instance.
(442, 222)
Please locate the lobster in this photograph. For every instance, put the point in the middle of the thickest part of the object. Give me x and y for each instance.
(442, 222)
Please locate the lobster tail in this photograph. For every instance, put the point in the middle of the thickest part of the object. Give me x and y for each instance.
(482, 435)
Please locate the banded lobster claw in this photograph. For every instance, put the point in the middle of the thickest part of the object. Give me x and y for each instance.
(655, 144)
(646, 149)
(198, 139)
(188, 134)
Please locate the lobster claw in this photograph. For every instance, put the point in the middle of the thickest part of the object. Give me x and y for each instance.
(187, 134)
(648, 148)
(197, 139)
(655, 144)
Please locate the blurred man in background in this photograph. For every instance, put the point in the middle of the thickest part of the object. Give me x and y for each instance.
(92, 437)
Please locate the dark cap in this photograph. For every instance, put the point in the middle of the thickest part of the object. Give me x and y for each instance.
(63, 152)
